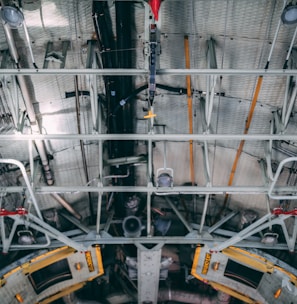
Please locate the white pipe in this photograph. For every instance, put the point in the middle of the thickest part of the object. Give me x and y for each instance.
(291, 45)
(275, 35)
(11, 44)
(142, 72)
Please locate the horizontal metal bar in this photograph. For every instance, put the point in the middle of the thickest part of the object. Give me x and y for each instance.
(166, 240)
(138, 72)
(143, 189)
(154, 137)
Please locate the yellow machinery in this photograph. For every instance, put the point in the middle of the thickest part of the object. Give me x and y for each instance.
(50, 276)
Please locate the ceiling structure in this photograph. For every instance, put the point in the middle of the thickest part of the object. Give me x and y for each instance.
(149, 129)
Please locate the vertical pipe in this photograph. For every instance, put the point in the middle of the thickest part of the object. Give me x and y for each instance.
(31, 160)
(190, 108)
(150, 172)
(100, 165)
(98, 218)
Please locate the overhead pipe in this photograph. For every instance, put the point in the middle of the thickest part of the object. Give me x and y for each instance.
(190, 108)
(29, 98)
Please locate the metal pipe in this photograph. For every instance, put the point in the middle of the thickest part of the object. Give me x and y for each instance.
(190, 109)
(275, 37)
(206, 201)
(66, 205)
(141, 72)
(243, 190)
(29, 44)
(150, 136)
(11, 44)
(29, 98)
(98, 217)
(189, 239)
(81, 143)
(290, 48)
(148, 198)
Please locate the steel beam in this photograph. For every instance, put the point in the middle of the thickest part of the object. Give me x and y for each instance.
(108, 240)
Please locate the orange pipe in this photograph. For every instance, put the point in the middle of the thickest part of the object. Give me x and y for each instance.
(190, 108)
(246, 129)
